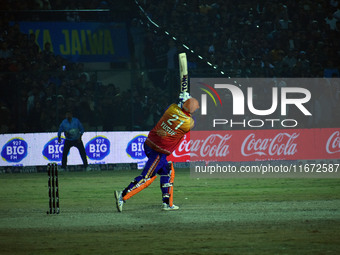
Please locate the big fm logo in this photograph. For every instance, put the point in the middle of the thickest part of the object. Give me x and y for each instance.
(289, 96)
(14, 150)
(53, 150)
(135, 147)
(98, 148)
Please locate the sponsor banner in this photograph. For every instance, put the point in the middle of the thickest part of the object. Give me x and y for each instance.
(98, 148)
(102, 148)
(182, 153)
(332, 145)
(15, 150)
(259, 145)
(135, 149)
(39, 149)
(82, 41)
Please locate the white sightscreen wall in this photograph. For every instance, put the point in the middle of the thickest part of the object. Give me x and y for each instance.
(34, 149)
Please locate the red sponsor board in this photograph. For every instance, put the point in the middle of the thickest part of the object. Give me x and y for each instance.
(259, 145)
(330, 142)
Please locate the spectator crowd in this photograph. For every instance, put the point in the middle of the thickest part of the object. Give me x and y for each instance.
(262, 38)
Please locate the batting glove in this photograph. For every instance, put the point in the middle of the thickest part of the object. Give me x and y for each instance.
(183, 96)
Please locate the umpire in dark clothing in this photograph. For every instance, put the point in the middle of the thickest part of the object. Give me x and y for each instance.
(73, 131)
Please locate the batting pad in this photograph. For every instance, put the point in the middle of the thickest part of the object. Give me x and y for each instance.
(139, 188)
(171, 191)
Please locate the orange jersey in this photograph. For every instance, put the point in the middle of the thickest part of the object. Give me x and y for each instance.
(170, 130)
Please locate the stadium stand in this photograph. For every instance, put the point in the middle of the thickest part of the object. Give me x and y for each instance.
(243, 39)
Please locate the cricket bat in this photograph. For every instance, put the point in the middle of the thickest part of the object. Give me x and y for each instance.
(183, 71)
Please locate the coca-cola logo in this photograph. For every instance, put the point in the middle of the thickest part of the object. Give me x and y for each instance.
(214, 145)
(281, 144)
(333, 143)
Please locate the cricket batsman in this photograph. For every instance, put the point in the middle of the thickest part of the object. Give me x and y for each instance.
(162, 140)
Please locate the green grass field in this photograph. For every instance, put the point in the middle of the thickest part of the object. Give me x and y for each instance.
(216, 216)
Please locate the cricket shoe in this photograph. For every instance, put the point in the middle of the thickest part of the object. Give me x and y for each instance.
(166, 207)
(119, 200)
